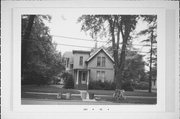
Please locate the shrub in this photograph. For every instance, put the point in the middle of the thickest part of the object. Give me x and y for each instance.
(99, 85)
(68, 80)
(34, 78)
(142, 86)
(128, 86)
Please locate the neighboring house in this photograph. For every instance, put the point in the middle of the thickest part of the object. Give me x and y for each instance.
(154, 84)
(86, 66)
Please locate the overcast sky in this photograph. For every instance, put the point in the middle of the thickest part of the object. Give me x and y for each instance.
(65, 25)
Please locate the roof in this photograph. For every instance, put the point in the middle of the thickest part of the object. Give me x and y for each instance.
(100, 50)
(81, 51)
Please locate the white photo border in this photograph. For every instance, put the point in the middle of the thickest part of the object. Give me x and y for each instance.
(13, 46)
(160, 106)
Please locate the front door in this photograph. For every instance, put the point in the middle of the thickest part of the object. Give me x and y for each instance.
(83, 77)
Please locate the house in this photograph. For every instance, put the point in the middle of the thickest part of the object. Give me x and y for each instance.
(87, 66)
(154, 84)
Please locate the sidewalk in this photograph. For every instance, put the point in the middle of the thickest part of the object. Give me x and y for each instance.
(94, 95)
(30, 101)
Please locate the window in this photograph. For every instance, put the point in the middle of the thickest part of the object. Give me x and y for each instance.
(67, 62)
(103, 61)
(71, 66)
(98, 61)
(81, 61)
(100, 75)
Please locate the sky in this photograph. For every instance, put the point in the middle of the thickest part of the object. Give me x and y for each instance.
(65, 29)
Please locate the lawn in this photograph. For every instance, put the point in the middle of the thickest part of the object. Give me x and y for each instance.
(127, 93)
(133, 97)
(46, 89)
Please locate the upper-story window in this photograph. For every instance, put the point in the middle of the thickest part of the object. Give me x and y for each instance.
(98, 61)
(101, 61)
(81, 60)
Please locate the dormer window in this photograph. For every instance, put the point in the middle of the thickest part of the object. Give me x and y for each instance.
(81, 60)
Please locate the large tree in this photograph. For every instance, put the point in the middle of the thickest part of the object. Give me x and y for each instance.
(151, 42)
(118, 29)
(40, 60)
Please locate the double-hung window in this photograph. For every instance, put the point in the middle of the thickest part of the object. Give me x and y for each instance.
(101, 61)
(98, 61)
(81, 60)
(100, 75)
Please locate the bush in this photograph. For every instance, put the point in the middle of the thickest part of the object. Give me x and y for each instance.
(68, 80)
(142, 86)
(34, 78)
(128, 86)
(99, 85)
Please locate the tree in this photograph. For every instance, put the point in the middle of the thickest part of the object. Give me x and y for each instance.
(134, 66)
(115, 27)
(152, 43)
(40, 60)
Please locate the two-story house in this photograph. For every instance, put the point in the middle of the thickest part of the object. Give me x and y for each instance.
(86, 66)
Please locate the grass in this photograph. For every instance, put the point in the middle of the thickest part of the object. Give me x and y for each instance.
(53, 89)
(46, 89)
(44, 96)
(127, 93)
(132, 100)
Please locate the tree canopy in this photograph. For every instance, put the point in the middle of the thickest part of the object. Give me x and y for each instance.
(116, 27)
(40, 60)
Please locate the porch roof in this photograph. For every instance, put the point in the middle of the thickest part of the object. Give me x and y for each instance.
(82, 69)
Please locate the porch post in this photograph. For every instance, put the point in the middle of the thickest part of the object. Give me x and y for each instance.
(87, 79)
(77, 77)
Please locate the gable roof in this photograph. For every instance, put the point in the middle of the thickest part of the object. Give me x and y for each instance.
(97, 52)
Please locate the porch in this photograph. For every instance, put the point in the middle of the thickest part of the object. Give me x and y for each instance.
(81, 78)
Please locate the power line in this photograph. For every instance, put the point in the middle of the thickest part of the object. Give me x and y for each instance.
(74, 45)
(73, 38)
(92, 47)
(77, 38)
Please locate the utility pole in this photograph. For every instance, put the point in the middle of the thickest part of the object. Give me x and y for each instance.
(95, 43)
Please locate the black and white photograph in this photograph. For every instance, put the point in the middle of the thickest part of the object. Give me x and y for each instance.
(88, 59)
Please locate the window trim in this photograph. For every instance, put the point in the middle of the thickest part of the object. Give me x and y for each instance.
(80, 62)
(104, 61)
(98, 61)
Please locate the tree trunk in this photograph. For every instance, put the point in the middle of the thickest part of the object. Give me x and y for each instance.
(150, 67)
(115, 53)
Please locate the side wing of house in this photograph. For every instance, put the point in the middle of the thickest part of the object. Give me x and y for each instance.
(81, 73)
(101, 66)
(68, 61)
